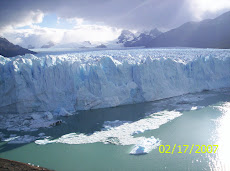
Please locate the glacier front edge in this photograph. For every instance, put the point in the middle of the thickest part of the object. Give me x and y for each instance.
(90, 80)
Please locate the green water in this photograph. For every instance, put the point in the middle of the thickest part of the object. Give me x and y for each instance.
(199, 127)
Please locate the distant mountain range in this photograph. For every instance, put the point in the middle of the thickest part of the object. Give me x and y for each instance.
(143, 39)
(8, 49)
(48, 45)
(211, 33)
(85, 44)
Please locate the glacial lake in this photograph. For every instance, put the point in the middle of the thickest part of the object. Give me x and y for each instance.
(205, 120)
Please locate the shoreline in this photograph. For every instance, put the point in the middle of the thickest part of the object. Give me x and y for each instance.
(6, 164)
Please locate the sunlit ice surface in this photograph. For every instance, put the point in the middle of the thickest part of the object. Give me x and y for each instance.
(221, 137)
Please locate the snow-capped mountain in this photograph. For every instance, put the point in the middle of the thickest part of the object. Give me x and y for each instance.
(129, 39)
(209, 33)
(143, 39)
(101, 46)
(48, 45)
(85, 44)
(125, 36)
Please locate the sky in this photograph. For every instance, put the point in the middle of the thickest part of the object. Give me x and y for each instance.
(36, 22)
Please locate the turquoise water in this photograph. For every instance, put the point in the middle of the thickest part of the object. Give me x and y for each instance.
(205, 126)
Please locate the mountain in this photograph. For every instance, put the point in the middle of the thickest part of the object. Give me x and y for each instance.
(154, 33)
(125, 36)
(210, 33)
(48, 45)
(30, 47)
(8, 49)
(143, 39)
(85, 44)
(101, 46)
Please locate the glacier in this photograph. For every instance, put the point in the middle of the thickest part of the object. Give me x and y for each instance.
(67, 82)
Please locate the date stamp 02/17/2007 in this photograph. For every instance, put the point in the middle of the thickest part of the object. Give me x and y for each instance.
(188, 149)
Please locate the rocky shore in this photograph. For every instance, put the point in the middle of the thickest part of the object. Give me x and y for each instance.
(11, 165)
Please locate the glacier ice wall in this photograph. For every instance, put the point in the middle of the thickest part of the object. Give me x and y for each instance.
(89, 80)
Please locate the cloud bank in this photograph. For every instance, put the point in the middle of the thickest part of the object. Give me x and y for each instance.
(99, 19)
(132, 14)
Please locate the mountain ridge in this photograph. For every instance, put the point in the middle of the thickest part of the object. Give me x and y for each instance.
(209, 33)
(8, 49)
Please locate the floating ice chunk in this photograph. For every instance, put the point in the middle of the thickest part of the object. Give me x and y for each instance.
(1, 135)
(197, 107)
(48, 115)
(36, 124)
(12, 137)
(145, 146)
(13, 129)
(41, 134)
(111, 124)
(44, 141)
(63, 112)
(138, 132)
(28, 122)
(112, 140)
(194, 108)
(36, 116)
(22, 139)
(225, 107)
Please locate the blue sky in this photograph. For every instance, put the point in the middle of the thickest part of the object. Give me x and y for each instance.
(53, 21)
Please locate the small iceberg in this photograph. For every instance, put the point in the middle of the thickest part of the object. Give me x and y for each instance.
(145, 146)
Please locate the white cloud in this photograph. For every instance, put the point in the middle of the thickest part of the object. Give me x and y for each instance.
(24, 19)
(128, 14)
(201, 7)
(38, 36)
(77, 21)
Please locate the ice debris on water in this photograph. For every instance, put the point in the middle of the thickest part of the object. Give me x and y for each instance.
(63, 112)
(1, 135)
(29, 122)
(121, 135)
(194, 108)
(48, 115)
(138, 132)
(11, 138)
(41, 134)
(111, 124)
(23, 139)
